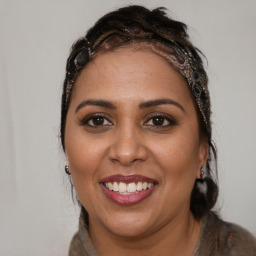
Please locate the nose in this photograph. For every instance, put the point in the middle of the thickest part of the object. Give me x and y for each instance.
(128, 147)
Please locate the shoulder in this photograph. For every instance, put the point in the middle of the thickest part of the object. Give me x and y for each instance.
(237, 240)
(75, 248)
(81, 244)
(227, 238)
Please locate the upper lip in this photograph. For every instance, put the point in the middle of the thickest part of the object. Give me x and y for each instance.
(127, 179)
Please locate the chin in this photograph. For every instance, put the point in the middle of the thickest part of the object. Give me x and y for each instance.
(132, 229)
(128, 224)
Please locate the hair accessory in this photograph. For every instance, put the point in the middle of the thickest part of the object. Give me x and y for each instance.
(104, 36)
(82, 58)
(196, 82)
(83, 55)
(75, 63)
(202, 172)
(67, 169)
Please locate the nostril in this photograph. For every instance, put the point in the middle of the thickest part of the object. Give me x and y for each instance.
(127, 154)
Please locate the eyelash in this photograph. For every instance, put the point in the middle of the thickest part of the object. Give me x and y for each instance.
(86, 121)
(163, 118)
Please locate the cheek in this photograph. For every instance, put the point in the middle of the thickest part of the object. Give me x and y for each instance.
(178, 157)
(85, 154)
(178, 163)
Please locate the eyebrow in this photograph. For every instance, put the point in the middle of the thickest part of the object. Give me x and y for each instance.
(101, 103)
(143, 105)
(153, 103)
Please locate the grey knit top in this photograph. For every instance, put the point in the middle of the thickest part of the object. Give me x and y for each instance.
(217, 238)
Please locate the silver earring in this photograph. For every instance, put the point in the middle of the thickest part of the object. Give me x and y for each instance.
(202, 172)
(67, 169)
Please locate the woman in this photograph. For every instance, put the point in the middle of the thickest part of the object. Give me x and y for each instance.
(136, 130)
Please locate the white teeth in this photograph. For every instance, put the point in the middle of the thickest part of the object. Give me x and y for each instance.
(115, 186)
(109, 185)
(139, 186)
(144, 185)
(122, 187)
(129, 188)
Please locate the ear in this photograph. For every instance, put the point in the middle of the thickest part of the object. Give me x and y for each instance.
(202, 154)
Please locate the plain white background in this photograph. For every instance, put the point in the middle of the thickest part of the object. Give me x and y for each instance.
(37, 216)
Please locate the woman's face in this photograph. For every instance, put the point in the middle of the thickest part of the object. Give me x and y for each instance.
(132, 141)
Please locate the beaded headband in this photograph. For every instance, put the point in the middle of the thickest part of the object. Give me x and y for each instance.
(188, 68)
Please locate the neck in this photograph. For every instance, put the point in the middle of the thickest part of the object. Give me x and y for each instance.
(178, 237)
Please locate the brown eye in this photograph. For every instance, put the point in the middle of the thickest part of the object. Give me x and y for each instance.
(160, 121)
(96, 121)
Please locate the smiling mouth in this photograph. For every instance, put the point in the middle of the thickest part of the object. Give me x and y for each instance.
(127, 190)
(130, 188)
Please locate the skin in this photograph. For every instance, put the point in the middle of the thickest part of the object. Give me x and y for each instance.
(129, 142)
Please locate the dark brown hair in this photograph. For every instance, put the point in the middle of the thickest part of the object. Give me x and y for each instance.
(136, 26)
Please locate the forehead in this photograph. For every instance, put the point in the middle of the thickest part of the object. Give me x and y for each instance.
(130, 74)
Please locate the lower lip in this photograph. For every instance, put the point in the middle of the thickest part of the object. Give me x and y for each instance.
(127, 199)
